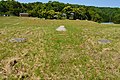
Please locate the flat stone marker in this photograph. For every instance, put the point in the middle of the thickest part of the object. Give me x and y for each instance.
(17, 40)
(61, 28)
(104, 41)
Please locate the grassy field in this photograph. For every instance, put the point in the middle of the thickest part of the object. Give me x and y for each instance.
(51, 55)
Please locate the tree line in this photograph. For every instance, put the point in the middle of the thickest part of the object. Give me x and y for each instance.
(58, 10)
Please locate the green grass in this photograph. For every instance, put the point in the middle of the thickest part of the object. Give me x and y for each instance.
(51, 55)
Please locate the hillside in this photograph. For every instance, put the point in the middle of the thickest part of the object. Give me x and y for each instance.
(48, 54)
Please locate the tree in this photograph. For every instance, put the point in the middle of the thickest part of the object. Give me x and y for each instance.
(76, 12)
(67, 10)
(117, 19)
(79, 13)
(58, 15)
(43, 14)
(50, 14)
(57, 6)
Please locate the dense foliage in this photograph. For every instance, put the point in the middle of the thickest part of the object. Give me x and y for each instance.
(58, 10)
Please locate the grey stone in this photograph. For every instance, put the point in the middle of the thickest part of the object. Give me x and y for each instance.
(77, 19)
(61, 28)
(17, 40)
(104, 41)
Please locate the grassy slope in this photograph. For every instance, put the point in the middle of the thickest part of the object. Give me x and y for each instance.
(48, 54)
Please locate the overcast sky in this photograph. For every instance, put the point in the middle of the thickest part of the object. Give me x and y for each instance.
(100, 3)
